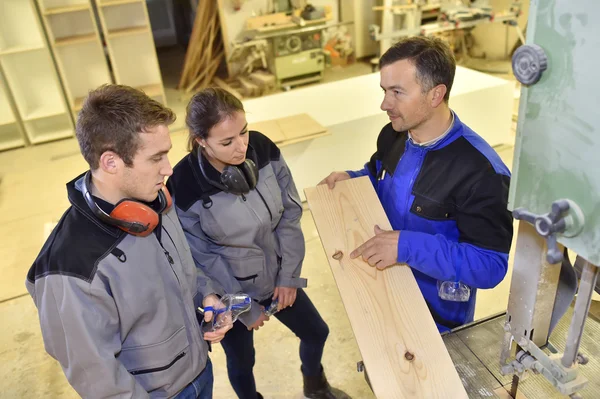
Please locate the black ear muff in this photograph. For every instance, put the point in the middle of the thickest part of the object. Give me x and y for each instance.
(250, 172)
(234, 179)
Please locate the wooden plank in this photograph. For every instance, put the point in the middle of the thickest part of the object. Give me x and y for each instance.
(401, 347)
(300, 125)
(224, 34)
(270, 129)
(267, 20)
(304, 138)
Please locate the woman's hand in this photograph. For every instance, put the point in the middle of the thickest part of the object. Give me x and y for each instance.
(286, 296)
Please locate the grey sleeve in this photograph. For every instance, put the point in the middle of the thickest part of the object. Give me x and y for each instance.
(289, 232)
(80, 329)
(211, 265)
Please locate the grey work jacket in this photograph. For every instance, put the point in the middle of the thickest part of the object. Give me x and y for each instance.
(118, 311)
(247, 243)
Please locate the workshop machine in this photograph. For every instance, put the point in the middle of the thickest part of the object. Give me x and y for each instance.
(554, 193)
(299, 55)
(544, 346)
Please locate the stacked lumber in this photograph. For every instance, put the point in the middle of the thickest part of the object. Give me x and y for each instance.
(205, 50)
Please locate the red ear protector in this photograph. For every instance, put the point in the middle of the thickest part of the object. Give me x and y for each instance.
(131, 216)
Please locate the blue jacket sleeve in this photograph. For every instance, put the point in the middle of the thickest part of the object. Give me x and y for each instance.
(364, 172)
(444, 260)
(480, 257)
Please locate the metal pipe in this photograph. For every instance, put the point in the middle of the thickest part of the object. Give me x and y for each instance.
(582, 307)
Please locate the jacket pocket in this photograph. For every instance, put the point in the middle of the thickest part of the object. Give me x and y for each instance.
(432, 210)
(155, 362)
(250, 272)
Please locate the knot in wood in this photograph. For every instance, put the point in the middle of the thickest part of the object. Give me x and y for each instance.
(409, 356)
(337, 255)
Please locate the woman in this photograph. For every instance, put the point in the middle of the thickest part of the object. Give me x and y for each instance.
(240, 211)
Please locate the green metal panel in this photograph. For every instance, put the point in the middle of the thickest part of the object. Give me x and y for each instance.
(557, 151)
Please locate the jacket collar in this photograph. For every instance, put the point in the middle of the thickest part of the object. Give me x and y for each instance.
(448, 137)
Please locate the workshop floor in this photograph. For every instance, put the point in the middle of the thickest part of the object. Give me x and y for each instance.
(32, 198)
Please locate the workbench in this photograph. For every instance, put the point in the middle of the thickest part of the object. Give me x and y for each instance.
(475, 351)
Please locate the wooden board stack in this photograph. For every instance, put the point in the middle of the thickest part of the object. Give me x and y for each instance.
(205, 50)
(402, 350)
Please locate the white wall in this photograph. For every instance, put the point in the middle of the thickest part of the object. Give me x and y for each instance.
(361, 12)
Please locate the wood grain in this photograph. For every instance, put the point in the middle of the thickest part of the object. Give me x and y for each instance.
(401, 347)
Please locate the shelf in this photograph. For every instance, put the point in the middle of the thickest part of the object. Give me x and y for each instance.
(7, 121)
(65, 41)
(145, 70)
(21, 49)
(43, 112)
(66, 9)
(48, 129)
(10, 136)
(61, 134)
(19, 26)
(83, 68)
(108, 3)
(128, 31)
(9, 144)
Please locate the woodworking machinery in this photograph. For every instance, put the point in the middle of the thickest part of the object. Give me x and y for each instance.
(553, 194)
(547, 343)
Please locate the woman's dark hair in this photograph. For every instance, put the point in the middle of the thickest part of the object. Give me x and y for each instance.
(206, 109)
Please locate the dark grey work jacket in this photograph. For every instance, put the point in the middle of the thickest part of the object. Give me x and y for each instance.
(247, 243)
(118, 311)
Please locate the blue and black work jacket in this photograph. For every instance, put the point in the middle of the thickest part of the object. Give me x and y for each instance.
(449, 200)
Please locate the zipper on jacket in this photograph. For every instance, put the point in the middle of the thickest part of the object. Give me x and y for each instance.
(265, 202)
(411, 182)
(189, 318)
(154, 370)
(170, 258)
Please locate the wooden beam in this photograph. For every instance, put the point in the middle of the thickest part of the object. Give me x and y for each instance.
(227, 87)
(402, 350)
(224, 34)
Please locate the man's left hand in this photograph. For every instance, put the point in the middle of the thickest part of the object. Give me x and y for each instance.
(380, 251)
(286, 296)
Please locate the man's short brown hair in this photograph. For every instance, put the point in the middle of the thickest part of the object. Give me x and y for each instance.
(112, 118)
(432, 58)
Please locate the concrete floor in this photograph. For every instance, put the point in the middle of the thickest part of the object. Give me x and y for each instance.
(32, 199)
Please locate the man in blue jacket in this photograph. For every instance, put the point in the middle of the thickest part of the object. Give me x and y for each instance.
(443, 188)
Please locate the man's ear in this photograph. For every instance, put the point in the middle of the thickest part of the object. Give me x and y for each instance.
(110, 162)
(437, 95)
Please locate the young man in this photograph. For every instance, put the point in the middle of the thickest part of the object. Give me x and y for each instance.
(115, 284)
(444, 189)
